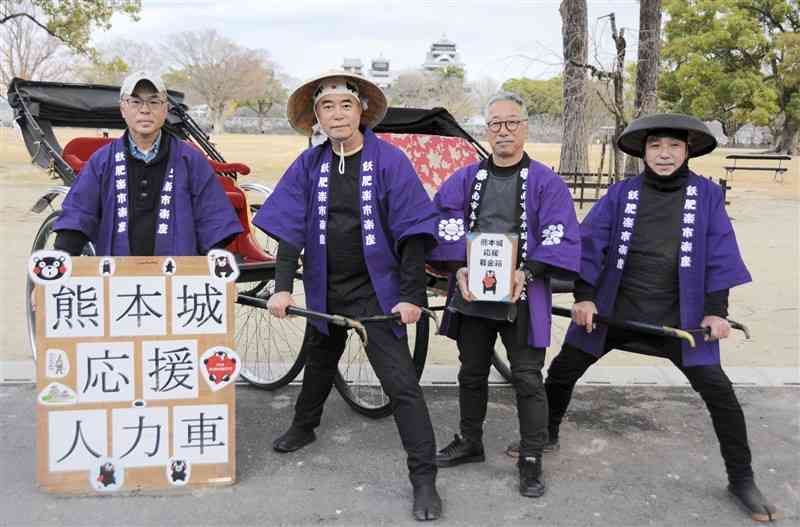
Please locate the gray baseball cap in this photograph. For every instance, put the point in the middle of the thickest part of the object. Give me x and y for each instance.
(130, 82)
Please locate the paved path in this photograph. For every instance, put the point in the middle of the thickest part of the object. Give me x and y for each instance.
(629, 456)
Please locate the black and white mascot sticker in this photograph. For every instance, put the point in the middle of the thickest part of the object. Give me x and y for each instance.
(107, 267)
(222, 265)
(178, 472)
(49, 267)
(107, 475)
(169, 266)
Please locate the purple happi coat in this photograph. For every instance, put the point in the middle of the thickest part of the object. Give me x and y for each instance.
(709, 258)
(194, 212)
(549, 234)
(394, 206)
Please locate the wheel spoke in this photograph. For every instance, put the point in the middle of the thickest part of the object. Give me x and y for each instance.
(269, 347)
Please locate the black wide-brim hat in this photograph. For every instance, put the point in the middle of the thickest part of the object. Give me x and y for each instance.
(701, 140)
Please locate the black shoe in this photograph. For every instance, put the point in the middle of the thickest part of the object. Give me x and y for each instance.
(748, 494)
(294, 439)
(530, 477)
(427, 503)
(459, 451)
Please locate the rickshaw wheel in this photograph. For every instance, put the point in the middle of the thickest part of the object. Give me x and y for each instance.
(45, 238)
(270, 348)
(356, 380)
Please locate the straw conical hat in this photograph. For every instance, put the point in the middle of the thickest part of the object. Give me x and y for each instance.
(300, 108)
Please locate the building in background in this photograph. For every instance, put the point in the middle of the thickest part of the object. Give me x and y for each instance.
(443, 53)
(353, 65)
(379, 72)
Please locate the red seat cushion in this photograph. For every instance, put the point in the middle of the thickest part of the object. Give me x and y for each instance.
(244, 244)
(78, 151)
(75, 163)
(221, 168)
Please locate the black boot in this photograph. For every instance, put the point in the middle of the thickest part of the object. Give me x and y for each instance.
(530, 477)
(460, 450)
(749, 495)
(427, 503)
(294, 439)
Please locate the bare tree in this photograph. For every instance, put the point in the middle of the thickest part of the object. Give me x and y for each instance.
(647, 66)
(99, 71)
(137, 54)
(118, 58)
(272, 92)
(451, 92)
(574, 143)
(617, 107)
(482, 90)
(217, 70)
(410, 89)
(445, 88)
(615, 102)
(29, 53)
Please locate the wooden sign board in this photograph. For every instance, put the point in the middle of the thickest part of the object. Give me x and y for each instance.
(135, 375)
(491, 261)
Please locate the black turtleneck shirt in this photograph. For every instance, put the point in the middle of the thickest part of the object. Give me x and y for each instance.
(349, 282)
(649, 289)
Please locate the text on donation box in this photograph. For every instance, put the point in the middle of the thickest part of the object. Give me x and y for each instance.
(491, 259)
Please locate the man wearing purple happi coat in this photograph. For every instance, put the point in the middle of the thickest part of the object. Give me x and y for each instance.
(147, 192)
(660, 248)
(356, 208)
(508, 193)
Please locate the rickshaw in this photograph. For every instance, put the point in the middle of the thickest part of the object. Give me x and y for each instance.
(40, 107)
(271, 349)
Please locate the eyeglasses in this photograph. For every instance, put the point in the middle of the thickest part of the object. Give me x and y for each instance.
(152, 104)
(511, 125)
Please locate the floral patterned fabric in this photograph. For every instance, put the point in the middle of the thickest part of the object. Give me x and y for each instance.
(434, 157)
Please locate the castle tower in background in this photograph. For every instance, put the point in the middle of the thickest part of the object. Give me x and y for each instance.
(379, 72)
(443, 53)
(352, 65)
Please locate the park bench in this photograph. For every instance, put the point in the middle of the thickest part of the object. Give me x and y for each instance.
(597, 184)
(580, 182)
(766, 164)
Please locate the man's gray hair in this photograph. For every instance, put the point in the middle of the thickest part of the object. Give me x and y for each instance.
(506, 96)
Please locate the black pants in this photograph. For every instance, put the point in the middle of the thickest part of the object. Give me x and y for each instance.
(391, 360)
(709, 381)
(476, 339)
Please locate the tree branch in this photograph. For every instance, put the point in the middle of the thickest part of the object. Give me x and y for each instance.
(32, 19)
(610, 107)
(595, 71)
(768, 17)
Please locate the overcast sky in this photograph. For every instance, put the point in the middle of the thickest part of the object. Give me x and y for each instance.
(496, 38)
